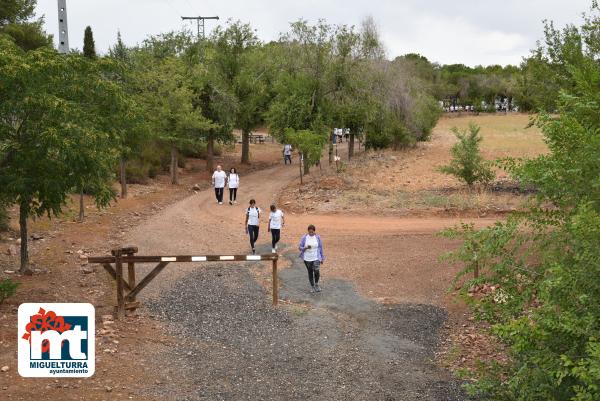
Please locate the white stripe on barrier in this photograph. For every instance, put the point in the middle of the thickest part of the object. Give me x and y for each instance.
(226, 258)
(168, 259)
(198, 258)
(252, 257)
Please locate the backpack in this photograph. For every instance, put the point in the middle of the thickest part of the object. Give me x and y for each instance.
(257, 211)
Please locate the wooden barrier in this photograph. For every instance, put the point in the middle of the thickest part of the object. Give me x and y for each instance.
(127, 255)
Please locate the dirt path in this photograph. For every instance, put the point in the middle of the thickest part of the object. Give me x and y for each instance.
(342, 342)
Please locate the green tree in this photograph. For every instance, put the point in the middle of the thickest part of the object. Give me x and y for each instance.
(467, 163)
(241, 65)
(16, 22)
(166, 95)
(308, 144)
(89, 47)
(302, 89)
(54, 111)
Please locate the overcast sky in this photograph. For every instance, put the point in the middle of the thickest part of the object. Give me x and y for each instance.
(447, 31)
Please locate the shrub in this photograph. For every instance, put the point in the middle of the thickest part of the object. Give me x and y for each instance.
(426, 115)
(4, 218)
(8, 288)
(467, 163)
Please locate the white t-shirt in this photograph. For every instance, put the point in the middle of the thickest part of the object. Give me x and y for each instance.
(276, 218)
(253, 215)
(234, 180)
(219, 178)
(287, 150)
(311, 254)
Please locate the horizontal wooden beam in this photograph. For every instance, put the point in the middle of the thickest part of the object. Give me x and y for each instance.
(183, 258)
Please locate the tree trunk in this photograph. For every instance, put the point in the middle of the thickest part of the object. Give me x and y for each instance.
(306, 168)
(245, 147)
(123, 177)
(300, 164)
(81, 206)
(351, 147)
(174, 179)
(331, 151)
(210, 153)
(23, 214)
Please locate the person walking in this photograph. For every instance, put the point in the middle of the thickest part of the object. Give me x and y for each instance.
(233, 182)
(218, 180)
(287, 153)
(311, 252)
(252, 223)
(276, 222)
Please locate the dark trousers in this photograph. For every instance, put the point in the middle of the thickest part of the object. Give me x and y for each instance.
(253, 233)
(275, 236)
(232, 194)
(287, 158)
(219, 194)
(313, 271)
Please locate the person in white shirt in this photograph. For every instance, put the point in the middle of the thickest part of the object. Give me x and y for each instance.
(252, 223)
(311, 252)
(233, 182)
(218, 180)
(276, 222)
(287, 153)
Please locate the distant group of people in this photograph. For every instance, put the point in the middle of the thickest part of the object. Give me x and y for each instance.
(310, 246)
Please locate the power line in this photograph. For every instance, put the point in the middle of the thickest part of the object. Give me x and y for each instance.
(199, 24)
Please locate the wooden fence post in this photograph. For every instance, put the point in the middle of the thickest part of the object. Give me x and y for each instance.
(131, 273)
(275, 283)
(119, 274)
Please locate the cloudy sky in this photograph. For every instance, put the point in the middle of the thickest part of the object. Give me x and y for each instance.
(447, 31)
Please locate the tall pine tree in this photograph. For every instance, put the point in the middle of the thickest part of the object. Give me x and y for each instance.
(89, 48)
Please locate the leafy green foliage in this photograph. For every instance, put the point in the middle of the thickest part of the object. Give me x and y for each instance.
(8, 288)
(308, 143)
(55, 117)
(16, 23)
(467, 163)
(544, 264)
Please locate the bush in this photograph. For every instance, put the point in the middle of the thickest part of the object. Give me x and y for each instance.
(152, 160)
(8, 288)
(467, 164)
(199, 151)
(4, 218)
(426, 115)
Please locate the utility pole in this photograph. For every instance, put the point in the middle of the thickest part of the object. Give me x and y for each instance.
(199, 24)
(63, 30)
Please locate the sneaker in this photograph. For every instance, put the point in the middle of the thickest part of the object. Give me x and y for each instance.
(230, 202)
(317, 288)
(273, 250)
(312, 289)
(220, 203)
(235, 202)
(253, 251)
(275, 246)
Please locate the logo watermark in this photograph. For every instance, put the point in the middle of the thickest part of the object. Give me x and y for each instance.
(57, 340)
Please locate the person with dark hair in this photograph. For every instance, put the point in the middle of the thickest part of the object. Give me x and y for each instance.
(233, 182)
(276, 222)
(311, 252)
(252, 223)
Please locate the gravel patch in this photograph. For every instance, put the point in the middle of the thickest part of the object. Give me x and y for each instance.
(335, 345)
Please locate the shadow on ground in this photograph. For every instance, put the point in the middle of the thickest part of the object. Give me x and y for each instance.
(334, 345)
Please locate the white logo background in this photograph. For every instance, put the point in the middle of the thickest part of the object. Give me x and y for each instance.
(26, 311)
